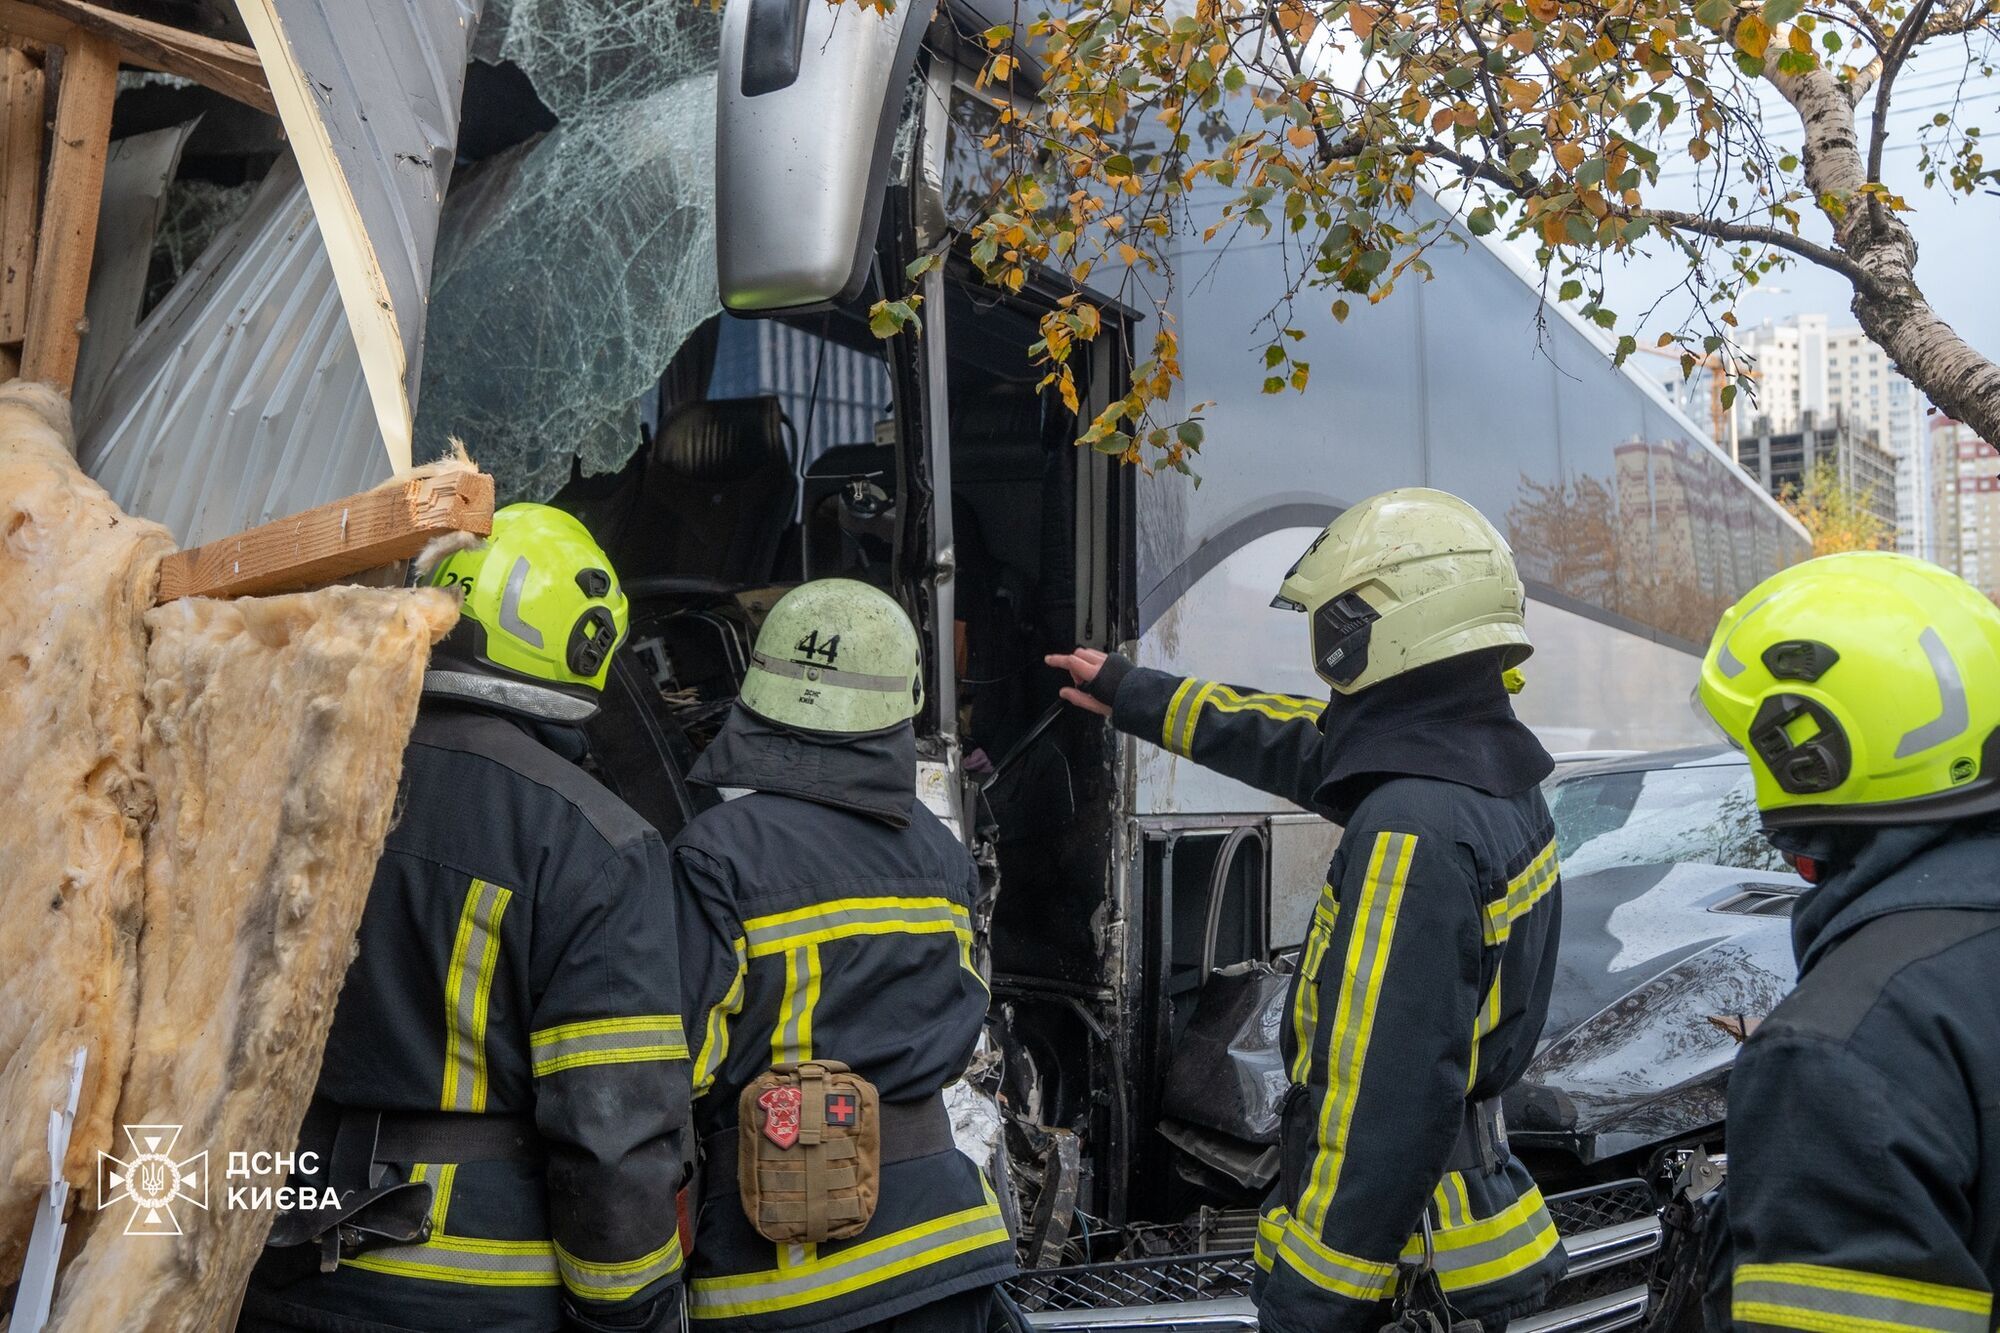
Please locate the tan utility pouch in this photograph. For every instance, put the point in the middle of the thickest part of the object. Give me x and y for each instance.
(809, 1152)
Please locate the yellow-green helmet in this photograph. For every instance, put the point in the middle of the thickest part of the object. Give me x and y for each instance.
(835, 655)
(1865, 689)
(1404, 579)
(542, 602)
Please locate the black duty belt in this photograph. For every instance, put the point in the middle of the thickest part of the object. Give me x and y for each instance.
(363, 1207)
(366, 1134)
(1482, 1138)
(910, 1130)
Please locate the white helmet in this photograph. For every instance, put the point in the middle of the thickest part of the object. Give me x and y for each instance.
(1407, 578)
(835, 655)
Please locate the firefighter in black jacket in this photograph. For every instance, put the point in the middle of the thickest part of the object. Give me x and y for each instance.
(503, 1104)
(1424, 981)
(826, 917)
(1864, 1148)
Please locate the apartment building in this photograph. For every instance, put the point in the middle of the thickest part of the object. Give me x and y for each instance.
(1967, 498)
(1804, 366)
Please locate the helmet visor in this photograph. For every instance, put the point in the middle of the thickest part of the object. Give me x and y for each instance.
(1708, 722)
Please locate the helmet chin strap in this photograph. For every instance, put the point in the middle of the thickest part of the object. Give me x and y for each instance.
(515, 696)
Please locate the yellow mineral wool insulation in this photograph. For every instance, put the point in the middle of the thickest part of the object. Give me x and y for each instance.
(274, 737)
(76, 575)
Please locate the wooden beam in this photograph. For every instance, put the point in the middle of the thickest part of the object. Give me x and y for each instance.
(334, 541)
(229, 68)
(21, 114)
(69, 213)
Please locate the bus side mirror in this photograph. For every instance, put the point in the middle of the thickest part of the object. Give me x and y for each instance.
(808, 95)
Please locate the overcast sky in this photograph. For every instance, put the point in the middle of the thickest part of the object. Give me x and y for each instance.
(1958, 237)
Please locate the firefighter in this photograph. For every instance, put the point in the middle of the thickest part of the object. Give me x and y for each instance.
(1424, 981)
(826, 927)
(1864, 1156)
(503, 1106)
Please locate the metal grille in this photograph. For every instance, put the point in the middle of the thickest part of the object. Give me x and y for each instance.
(1168, 1281)
(1584, 1210)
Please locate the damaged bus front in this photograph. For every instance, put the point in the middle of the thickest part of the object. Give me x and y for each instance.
(1142, 914)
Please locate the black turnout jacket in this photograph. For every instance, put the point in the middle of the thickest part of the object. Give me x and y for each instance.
(826, 914)
(516, 957)
(1421, 989)
(1864, 1114)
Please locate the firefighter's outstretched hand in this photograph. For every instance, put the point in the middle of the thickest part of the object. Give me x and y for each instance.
(1082, 665)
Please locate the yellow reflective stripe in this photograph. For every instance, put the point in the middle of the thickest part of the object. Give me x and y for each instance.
(1454, 1208)
(440, 1188)
(618, 1281)
(1523, 892)
(1327, 1268)
(1305, 1010)
(608, 1041)
(1270, 1226)
(1489, 1018)
(466, 1260)
(1170, 730)
(1488, 1249)
(1362, 970)
(1277, 707)
(818, 1279)
(468, 992)
(1824, 1299)
(791, 1038)
(715, 1037)
(845, 918)
(1185, 743)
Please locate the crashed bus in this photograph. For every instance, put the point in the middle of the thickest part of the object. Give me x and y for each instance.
(1141, 912)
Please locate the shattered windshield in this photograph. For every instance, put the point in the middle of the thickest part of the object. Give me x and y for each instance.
(1660, 816)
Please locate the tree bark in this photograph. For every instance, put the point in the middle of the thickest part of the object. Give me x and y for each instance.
(1891, 307)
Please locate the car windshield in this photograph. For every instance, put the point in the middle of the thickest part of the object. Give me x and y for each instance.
(1662, 815)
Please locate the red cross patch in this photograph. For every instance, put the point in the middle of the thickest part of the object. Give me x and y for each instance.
(781, 1114)
(841, 1110)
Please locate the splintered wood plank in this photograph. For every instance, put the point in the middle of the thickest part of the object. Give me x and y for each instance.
(229, 68)
(20, 188)
(335, 541)
(69, 211)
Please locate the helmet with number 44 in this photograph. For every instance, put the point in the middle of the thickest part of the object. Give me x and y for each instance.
(835, 655)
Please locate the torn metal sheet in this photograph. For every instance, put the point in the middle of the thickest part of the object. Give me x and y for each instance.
(368, 91)
(241, 398)
(137, 172)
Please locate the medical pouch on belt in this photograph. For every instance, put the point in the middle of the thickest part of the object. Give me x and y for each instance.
(809, 1143)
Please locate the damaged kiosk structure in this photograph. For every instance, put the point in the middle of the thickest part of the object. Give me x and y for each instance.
(1142, 912)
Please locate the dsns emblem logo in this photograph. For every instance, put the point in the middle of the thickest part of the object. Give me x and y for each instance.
(153, 1180)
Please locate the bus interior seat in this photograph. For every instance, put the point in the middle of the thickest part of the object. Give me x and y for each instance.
(716, 493)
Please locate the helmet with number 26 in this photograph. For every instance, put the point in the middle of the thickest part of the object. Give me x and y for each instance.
(542, 602)
(837, 656)
(1865, 689)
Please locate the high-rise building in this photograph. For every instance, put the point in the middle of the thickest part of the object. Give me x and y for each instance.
(1967, 470)
(1781, 460)
(1803, 366)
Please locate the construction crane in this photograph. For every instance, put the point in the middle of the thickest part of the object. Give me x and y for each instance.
(1721, 419)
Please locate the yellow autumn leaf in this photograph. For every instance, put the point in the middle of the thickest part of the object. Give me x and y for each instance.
(1299, 136)
(1569, 155)
(1362, 19)
(1521, 94)
(1752, 36)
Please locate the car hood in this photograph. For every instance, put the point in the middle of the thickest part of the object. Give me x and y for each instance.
(1630, 1056)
